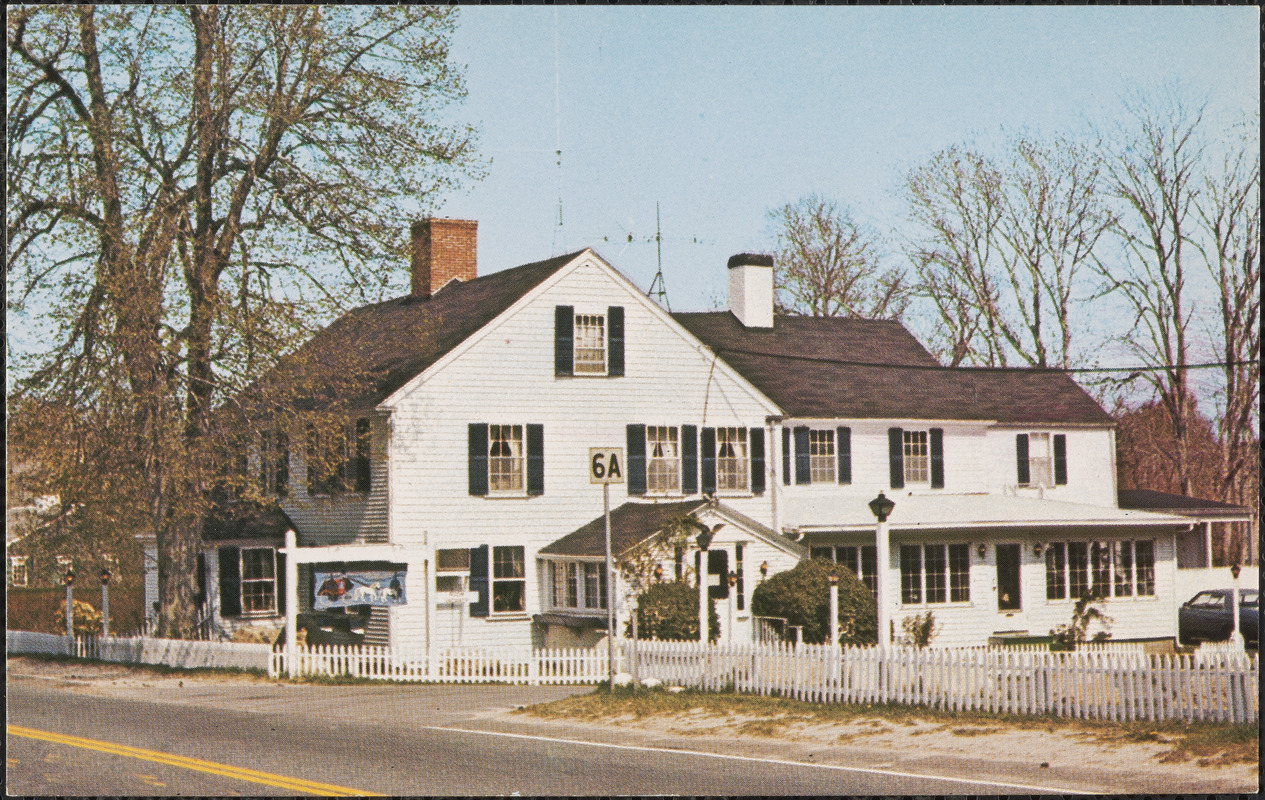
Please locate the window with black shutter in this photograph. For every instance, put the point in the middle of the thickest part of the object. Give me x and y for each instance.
(896, 457)
(636, 461)
(757, 460)
(709, 461)
(478, 458)
(937, 458)
(230, 582)
(564, 340)
(689, 459)
(1060, 459)
(1021, 458)
(786, 456)
(803, 457)
(535, 459)
(615, 326)
(479, 580)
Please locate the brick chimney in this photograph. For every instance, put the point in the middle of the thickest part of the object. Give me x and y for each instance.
(443, 249)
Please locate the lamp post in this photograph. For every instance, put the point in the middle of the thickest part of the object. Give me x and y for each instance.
(70, 609)
(833, 577)
(1236, 635)
(105, 603)
(702, 540)
(882, 508)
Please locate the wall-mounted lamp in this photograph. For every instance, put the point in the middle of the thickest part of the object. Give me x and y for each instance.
(658, 573)
(1036, 549)
(764, 570)
(733, 579)
(833, 577)
(982, 550)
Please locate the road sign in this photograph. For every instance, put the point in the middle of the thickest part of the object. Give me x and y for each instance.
(606, 465)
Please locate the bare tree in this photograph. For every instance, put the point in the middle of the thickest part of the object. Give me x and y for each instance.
(827, 265)
(189, 190)
(1003, 247)
(1153, 171)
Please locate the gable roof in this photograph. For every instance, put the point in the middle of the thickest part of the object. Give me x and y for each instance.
(371, 351)
(876, 369)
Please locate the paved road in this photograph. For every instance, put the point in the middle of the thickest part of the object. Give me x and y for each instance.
(441, 740)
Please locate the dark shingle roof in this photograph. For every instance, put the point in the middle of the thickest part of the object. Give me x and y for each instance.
(631, 524)
(1149, 500)
(371, 351)
(236, 519)
(885, 373)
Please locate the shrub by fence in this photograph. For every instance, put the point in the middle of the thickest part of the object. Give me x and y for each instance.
(35, 609)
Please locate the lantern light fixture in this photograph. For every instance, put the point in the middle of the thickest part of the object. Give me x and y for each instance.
(982, 550)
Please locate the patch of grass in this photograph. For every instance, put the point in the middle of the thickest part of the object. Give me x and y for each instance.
(156, 669)
(1208, 744)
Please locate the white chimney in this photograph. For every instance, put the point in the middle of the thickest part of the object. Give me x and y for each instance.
(751, 289)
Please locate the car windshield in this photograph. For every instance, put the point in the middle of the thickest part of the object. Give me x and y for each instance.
(1207, 600)
(1249, 597)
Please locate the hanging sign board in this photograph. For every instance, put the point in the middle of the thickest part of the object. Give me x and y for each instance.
(358, 588)
(606, 465)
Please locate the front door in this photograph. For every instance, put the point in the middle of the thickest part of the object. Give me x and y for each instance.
(1008, 577)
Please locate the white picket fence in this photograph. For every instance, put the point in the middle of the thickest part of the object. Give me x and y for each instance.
(558, 666)
(1123, 685)
(177, 653)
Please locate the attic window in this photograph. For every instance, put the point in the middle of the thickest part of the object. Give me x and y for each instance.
(590, 344)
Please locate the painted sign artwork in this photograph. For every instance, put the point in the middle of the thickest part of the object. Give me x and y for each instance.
(342, 589)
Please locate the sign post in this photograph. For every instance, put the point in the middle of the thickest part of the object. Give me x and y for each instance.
(606, 466)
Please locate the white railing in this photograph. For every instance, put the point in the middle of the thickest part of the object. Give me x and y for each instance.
(463, 665)
(1118, 686)
(177, 653)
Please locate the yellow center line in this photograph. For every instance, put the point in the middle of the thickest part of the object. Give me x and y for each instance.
(197, 764)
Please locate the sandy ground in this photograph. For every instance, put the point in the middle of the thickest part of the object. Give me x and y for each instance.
(1028, 746)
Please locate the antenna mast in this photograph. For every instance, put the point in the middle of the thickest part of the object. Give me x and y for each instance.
(658, 290)
(557, 116)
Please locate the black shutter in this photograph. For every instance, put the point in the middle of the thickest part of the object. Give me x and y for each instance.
(689, 459)
(201, 579)
(363, 477)
(718, 564)
(896, 457)
(479, 580)
(1060, 459)
(478, 454)
(843, 446)
(636, 465)
(1021, 459)
(803, 463)
(757, 460)
(535, 459)
(615, 353)
(281, 582)
(937, 458)
(709, 461)
(563, 340)
(786, 456)
(230, 582)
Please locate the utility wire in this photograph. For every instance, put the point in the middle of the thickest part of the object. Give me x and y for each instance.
(941, 367)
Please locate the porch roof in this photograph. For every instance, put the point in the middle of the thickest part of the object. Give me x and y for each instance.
(631, 524)
(952, 511)
(1181, 505)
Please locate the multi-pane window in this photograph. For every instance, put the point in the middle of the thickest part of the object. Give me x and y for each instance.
(17, 571)
(663, 460)
(1040, 460)
(862, 561)
(578, 585)
(1106, 569)
(940, 573)
(274, 462)
(505, 458)
(1055, 576)
(452, 566)
(731, 459)
(509, 579)
(916, 457)
(259, 579)
(821, 456)
(590, 344)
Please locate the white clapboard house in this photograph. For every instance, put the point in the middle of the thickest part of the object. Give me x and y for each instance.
(466, 474)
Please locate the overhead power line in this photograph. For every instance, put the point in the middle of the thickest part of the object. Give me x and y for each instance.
(941, 367)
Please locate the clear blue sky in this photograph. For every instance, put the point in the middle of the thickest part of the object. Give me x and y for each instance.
(720, 114)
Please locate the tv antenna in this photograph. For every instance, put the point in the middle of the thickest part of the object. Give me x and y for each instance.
(658, 289)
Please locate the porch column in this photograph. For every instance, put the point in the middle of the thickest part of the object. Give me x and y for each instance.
(292, 601)
(1208, 545)
(883, 547)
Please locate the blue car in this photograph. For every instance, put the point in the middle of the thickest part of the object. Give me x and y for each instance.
(1206, 617)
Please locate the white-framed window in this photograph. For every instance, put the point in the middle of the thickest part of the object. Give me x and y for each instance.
(259, 580)
(505, 458)
(732, 464)
(509, 579)
(590, 344)
(338, 459)
(862, 560)
(663, 460)
(821, 456)
(17, 571)
(577, 585)
(935, 573)
(1124, 568)
(1040, 460)
(916, 457)
(452, 570)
